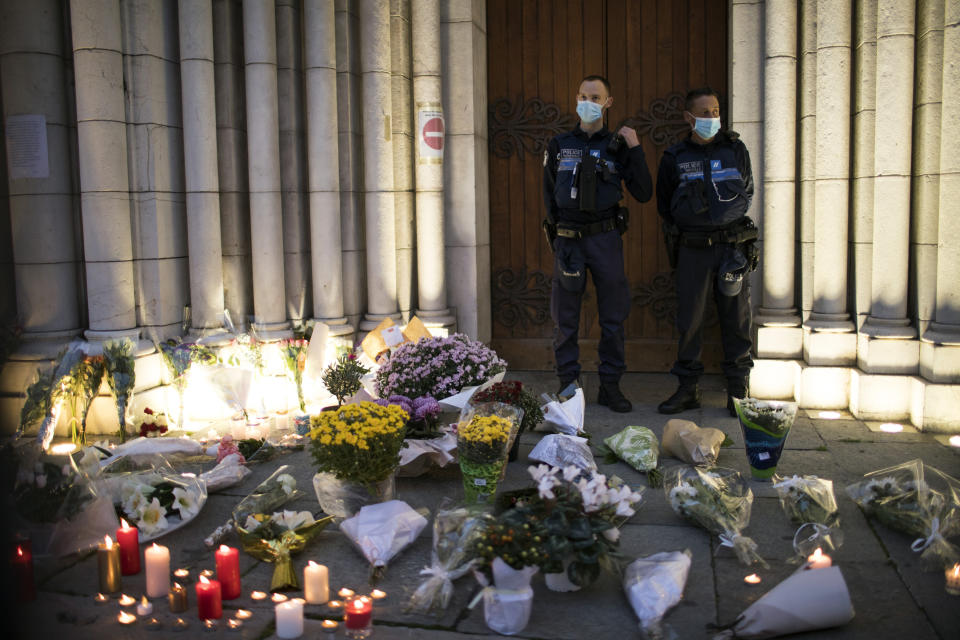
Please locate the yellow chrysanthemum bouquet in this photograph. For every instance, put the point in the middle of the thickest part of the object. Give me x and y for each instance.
(484, 435)
(357, 443)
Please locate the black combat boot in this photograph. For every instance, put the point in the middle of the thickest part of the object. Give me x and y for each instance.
(736, 388)
(611, 396)
(687, 396)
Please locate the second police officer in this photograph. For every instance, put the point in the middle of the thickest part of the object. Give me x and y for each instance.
(583, 173)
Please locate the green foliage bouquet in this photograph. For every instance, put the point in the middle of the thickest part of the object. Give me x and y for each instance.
(342, 378)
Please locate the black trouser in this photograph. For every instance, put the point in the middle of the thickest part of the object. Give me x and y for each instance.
(696, 279)
(603, 257)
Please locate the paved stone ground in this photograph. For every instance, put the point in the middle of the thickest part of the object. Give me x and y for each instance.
(892, 597)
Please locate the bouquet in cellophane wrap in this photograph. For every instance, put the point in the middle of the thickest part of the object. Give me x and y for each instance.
(918, 500)
(717, 499)
(485, 433)
(276, 537)
(455, 531)
(271, 494)
(810, 502)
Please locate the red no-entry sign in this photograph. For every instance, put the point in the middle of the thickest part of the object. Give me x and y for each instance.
(433, 133)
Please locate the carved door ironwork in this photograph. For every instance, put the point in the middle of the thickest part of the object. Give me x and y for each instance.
(651, 51)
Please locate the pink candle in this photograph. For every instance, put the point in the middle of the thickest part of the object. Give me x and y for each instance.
(209, 604)
(228, 571)
(357, 613)
(129, 540)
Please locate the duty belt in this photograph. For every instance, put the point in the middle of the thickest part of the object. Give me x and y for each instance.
(583, 231)
(704, 239)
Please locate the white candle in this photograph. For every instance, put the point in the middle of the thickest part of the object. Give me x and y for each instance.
(158, 570)
(145, 608)
(316, 587)
(289, 619)
(819, 560)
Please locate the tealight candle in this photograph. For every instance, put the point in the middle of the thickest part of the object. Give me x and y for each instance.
(209, 625)
(356, 617)
(126, 618)
(127, 601)
(108, 561)
(128, 539)
(329, 626)
(22, 562)
(177, 598)
(316, 587)
(101, 599)
(158, 570)
(145, 607)
(334, 604)
(180, 624)
(345, 593)
(278, 598)
(752, 579)
(244, 614)
(257, 595)
(289, 619)
(209, 604)
(953, 580)
(153, 624)
(228, 571)
(818, 560)
(181, 574)
(376, 594)
(207, 573)
(234, 624)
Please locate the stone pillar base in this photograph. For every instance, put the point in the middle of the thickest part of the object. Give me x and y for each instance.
(102, 336)
(273, 330)
(934, 407)
(211, 337)
(439, 323)
(894, 355)
(371, 320)
(830, 346)
(775, 379)
(824, 387)
(779, 342)
(880, 397)
(940, 362)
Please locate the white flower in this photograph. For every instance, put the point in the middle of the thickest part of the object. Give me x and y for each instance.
(680, 495)
(152, 518)
(162, 420)
(546, 478)
(612, 534)
(252, 524)
(293, 519)
(136, 500)
(288, 483)
(570, 473)
(185, 501)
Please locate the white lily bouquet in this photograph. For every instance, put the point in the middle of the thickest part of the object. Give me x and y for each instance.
(717, 499)
(271, 494)
(275, 537)
(918, 500)
(810, 502)
(151, 496)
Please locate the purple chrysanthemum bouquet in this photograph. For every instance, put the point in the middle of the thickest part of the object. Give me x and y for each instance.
(424, 414)
(437, 367)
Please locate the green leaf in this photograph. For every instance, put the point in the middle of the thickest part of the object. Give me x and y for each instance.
(727, 442)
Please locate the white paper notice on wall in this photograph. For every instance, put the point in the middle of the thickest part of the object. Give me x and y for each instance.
(27, 146)
(430, 130)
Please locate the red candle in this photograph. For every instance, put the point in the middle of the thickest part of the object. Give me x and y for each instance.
(22, 562)
(357, 613)
(208, 599)
(228, 571)
(129, 540)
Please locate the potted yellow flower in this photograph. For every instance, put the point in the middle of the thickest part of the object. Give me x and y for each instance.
(484, 435)
(357, 450)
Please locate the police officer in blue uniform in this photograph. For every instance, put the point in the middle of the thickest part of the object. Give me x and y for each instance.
(583, 172)
(704, 189)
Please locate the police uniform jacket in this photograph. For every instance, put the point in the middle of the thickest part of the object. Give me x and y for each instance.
(563, 158)
(705, 186)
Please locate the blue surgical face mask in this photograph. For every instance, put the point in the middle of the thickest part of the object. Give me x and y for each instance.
(706, 128)
(589, 111)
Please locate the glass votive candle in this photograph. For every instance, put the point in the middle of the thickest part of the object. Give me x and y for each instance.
(357, 617)
(329, 627)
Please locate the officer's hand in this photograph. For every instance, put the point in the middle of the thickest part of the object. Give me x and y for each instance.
(629, 136)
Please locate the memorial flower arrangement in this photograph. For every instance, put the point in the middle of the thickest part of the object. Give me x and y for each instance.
(80, 387)
(276, 537)
(294, 352)
(179, 356)
(151, 424)
(424, 415)
(358, 442)
(918, 500)
(718, 500)
(268, 496)
(576, 515)
(151, 500)
(121, 376)
(482, 442)
(809, 501)
(342, 378)
(438, 367)
(513, 393)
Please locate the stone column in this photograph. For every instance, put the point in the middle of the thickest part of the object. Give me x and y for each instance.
(427, 91)
(350, 148)
(808, 149)
(778, 333)
(104, 179)
(940, 353)
(41, 223)
(885, 344)
(402, 138)
(232, 159)
(830, 339)
(200, 164)
(263, 156)
(378, 163)
(293, 166)
(925, 205)
(323, 164)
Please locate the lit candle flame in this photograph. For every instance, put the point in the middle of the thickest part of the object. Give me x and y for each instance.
(279, 597)
(126, 618)
(144, 601)
(204, 580)
(816, 555)
(224, 548)
(334, 604)
(20, 551)
(258, 595)
(124, 524)
(329, 624)
(312, 563)
(376, 594)
(358, 605)
(234, 624)
(243, 614)
(752, 579)
(345, 593)
(107, 541)
(155, 545)
(126, 601)
(956, 570)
